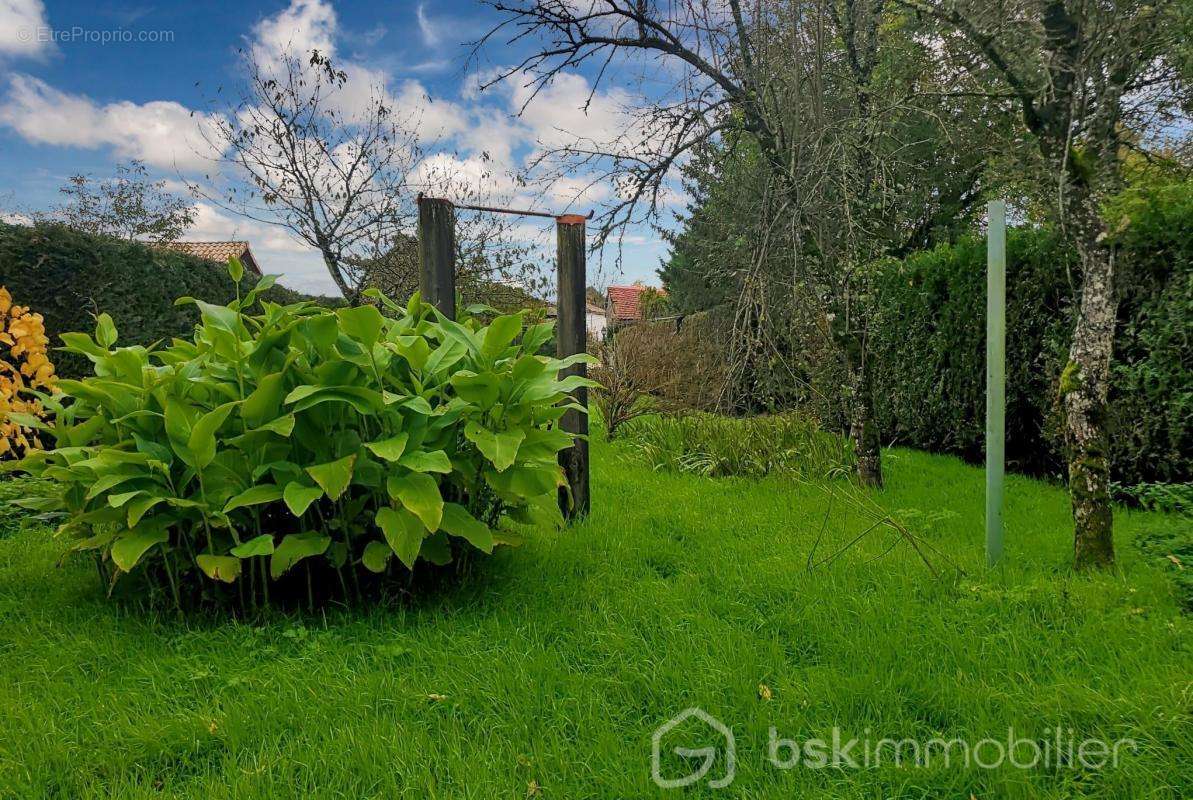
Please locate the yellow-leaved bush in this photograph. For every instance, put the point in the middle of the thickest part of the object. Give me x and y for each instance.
(24, 366)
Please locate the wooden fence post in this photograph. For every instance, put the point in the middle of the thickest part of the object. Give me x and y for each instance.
(437, 254)
(571, 338)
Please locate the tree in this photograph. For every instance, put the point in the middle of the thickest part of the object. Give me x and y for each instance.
(329, 166)
(127, 206)
(1087, 77)
(830, 110)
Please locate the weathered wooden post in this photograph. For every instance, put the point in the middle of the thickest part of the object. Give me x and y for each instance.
(437, 254)
(570, 338)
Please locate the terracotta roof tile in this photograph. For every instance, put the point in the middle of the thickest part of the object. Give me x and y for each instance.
(627, 300)
(219, 252)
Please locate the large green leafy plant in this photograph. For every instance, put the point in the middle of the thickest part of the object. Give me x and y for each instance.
(297, 435)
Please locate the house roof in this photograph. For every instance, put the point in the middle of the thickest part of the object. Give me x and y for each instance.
(627, 300)
(220, 252)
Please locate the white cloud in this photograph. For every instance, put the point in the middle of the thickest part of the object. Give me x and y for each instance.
(303, 26)
(162, 133)
(431, 36)
(21, 22)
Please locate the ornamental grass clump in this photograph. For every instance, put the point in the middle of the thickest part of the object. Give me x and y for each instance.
(282, 439)
(24, 368)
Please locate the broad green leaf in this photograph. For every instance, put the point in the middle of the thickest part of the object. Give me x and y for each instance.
(390, 449)
(445, 356)
(218, 317)
(263, 403)
(500, 333)
(426, 461)
(362, 323)
(202, 442)
(117, 500)
(482, 389)
(414, 349)
(322, 330)
(139, 507)
(132, 544)
(257, 546)
(105, 330)
(403, 531)
(500, 447)
(180, 422)
(365, 401)
(255, 496)
(235, 269)
(294, 548)
(458, 522)
(282, 426)
(219, 568)
(419, 494)
(376, 556)
(437, 549)
(334, 476)
(298, 497)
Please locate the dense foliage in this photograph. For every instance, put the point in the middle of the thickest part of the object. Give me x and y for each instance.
(69, 276)
(24, 365)
(929, 339)
(301, 434)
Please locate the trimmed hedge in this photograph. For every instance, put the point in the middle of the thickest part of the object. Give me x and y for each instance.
(68, 276)
(928, 338)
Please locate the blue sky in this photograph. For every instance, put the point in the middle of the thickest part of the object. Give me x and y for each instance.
(72, 102)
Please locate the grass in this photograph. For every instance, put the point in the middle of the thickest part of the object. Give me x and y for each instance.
(548, 668)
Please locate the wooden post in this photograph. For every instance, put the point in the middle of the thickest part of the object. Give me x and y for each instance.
(996, 343)
(571, 338)
(437, 254)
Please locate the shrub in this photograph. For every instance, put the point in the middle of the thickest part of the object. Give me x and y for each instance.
(70, 277)
(301, 434)
(928, 339)
(651, 366)
(717, 446)
(24, 365)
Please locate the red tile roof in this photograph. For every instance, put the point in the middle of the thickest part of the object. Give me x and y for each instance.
(219, 252)
(627, 300)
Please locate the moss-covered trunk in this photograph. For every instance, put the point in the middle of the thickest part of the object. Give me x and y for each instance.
(1084, 387)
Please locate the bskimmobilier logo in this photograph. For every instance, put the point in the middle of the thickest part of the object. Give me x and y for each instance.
(721, 734)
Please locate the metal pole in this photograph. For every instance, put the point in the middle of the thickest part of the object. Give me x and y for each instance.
(437, 254)
(996, 344)
(570, 338)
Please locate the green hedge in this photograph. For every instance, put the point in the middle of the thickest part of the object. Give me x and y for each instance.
(68, 276)
(928, 339)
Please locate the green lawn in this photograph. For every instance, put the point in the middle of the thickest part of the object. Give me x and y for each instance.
(555, 662)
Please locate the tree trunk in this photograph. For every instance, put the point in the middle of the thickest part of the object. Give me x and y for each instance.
(862, 428)
(1084, 385)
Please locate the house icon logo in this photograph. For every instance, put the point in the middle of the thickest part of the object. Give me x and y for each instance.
(708, 754)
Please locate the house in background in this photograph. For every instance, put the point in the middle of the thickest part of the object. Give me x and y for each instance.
(220, 252)
(625, 306)
(595, 320)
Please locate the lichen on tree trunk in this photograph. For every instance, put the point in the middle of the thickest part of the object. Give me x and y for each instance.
(1084, 390)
